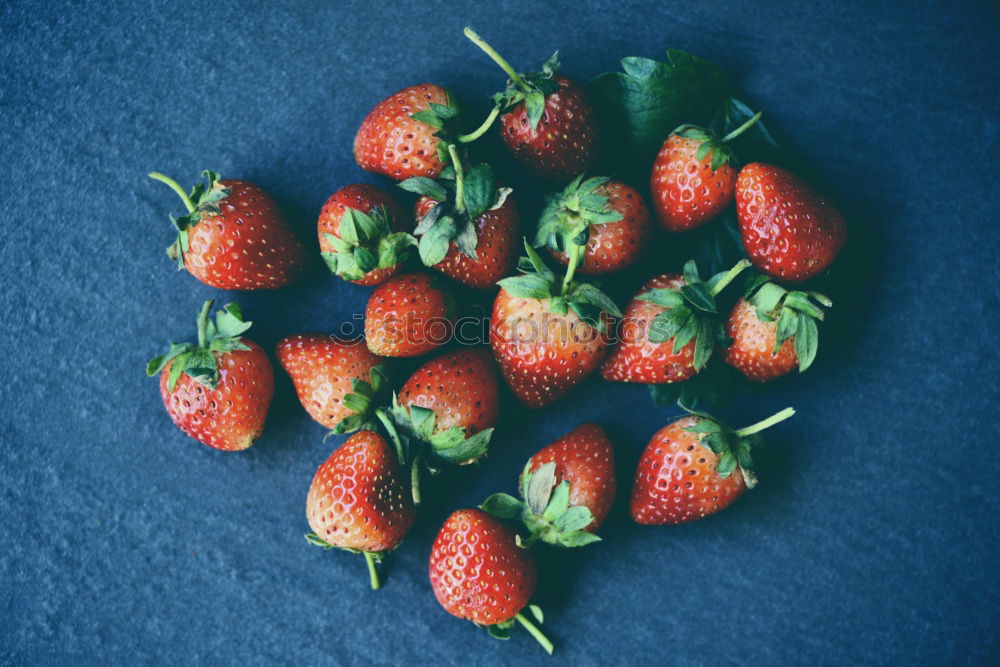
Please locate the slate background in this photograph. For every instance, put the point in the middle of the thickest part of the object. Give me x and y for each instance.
(872, 538)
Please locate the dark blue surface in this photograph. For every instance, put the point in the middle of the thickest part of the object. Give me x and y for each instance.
(873, 536)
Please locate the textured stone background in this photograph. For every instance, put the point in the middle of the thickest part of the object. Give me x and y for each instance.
(872, 538)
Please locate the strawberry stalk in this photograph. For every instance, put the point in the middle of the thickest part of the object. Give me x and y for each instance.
(729, 276)
(397, 441)
(742, 128)
(459, 178)
(482, 129)
(765, 423)
(175, 186)
(575, 253)
(497, 58)
(370, 560)
(536, 633)
(203, 323)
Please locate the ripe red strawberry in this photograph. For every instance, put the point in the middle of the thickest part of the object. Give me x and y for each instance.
(359, 500)
(218, 391)
(479, 573)
(693, 179)
(568, 488)
(548, 334)
(399, 137)
(599, 224)
(789, 231)
(408, 315)
(547, 121)
(670, 328)
(694, 467)
(335, 379)
(362, 234)
(234, 237)
(773, 330)
(467, 226)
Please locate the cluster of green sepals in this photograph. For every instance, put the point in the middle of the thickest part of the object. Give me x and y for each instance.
(462, 197)
(538, 281)
(719, 148)
(366, 243)
(733, 445)
(691, 312)
(203, 200)
(364, 398)
(445, 118)
(198, 361)
(564, 225)
(797, 314)
(545, 510)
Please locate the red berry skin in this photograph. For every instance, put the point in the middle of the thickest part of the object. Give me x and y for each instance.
(407, 315)
(391, 143)
(542, 355)
(753, 344)
(565, 141)
(635, 358)
(231, 416)
(359, 498)
(789, 231)
(477, 570)
(686, 192)
(460, 387)
(248, 245)
(365, 198)
(676, 480)
(496, 250)
(321, 368)
(613, 246)
(586, 459)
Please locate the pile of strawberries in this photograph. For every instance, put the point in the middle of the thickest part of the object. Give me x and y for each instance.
(551, 326)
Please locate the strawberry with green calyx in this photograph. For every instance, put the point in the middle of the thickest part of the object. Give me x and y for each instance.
(670, 329)
(547, 121)
(568, 488)
(774, 330)
(217, 391)
(408, 133)
(693, 178)
(234, 236)
(478, 573)
(693, 467)
(358, 501)
(598, 225)
(361, 234)
(445, 412)
(548, 333)
(465, 223)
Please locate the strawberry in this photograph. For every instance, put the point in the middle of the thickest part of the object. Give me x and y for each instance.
(335, 379)
(361, 234)
(466, 224)
(479, 573)
(670, 328)
(774, 330)
(548, 334)
(693, 467)
(693, 179)
(359, 501)
(599, 224)
(568, 488)
(789, 231)
(446, 411)
(408, 315)
(547, 121)
(233, 236)
(399, 138)
(217, 391)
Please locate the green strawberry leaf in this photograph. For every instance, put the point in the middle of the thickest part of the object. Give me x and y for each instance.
(503, 506)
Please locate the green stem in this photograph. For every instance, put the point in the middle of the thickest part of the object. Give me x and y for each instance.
(203, 322)
(372, 572)
(459, 178)
(536, 633)
(575, 253)
(497, 58)
(175, 186)
(767, 423)
(415, 480)
(742, 128)
(393, 434)
(481, 130)
(730, 275)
